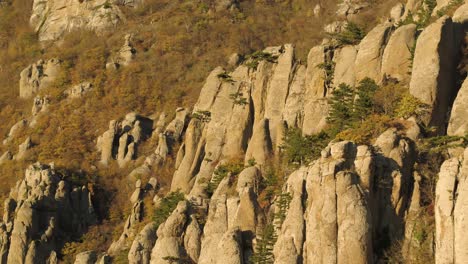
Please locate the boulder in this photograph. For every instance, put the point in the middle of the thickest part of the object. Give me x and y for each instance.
(351, 7)
(289, 245)
(461, 15)
(192, 239)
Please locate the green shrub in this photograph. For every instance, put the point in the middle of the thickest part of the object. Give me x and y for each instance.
(225, 77)
(300, 149)
(387, 98)
(364, 103)
(450, 7)
(351, 35)
(441, 143)
(254, 59)
(410, 106)
(282, 204)
(238, 99)
(167, 205)
(329, 68)
(221, 172)
(367, 130)
(203, 116)
(263, 253)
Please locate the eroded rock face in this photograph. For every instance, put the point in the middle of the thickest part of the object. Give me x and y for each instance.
(433, 74)
(40, 207)
(79, 90)
(140, 251)
(371, 49)
(119, 142)
(52, 19)
(170, 236)
(396, 61)
(458, 124)
(350, 7)
(450, 211)
(38, 76)
(344, 59)
(15, 130)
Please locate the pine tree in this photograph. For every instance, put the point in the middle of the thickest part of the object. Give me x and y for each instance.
(282, 204)
(341, 108)
(363, 106)
(264, 248)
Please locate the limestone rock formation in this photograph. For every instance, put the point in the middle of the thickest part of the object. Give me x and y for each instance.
(15, 130)
(433, 74)
(40, 105)
(396, 60)
(140, 251)
(458, 124)
(125, 55)
(450, 211)
(350, 7)
(344, 59)
(170, 242)
(122, 138)
(41, 206)
(38, 76)
(52, 19)
(371, 49)
(79, 90)
(23, 148)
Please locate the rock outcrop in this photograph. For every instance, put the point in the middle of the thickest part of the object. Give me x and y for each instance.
(15, 130)
(433, 74)
(396, 60)
(458, 124)
(79, 90)
(371, 49)
(52, 19)
(38, 76)
(122, 138)
(450, 211)
(40, 207)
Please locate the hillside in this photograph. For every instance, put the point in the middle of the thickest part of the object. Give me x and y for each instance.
(229, 131)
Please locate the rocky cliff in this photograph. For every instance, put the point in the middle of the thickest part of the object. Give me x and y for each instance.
(231, 198)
